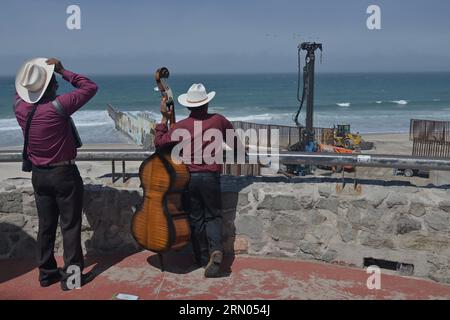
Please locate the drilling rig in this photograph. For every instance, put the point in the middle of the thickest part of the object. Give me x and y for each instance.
(307, 139)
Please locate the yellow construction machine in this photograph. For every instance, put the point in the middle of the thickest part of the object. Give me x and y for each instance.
(343, 137)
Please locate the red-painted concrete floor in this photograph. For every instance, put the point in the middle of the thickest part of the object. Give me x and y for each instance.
(250, 278)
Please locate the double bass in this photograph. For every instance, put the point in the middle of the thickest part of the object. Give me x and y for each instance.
(161, 223)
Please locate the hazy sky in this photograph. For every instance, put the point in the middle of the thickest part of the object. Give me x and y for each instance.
(226, 36)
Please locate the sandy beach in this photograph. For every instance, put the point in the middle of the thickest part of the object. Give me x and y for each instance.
(390, 143)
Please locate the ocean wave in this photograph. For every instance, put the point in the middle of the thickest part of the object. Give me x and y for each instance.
(344, 104)
(379, 102)
(82, 119)
(9, 124)
(400, 102)
(92, 118)
(9, 128)
(261, 117)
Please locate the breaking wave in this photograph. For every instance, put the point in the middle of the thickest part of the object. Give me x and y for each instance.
(400, 102)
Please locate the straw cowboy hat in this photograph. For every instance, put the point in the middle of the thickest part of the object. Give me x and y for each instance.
(33, 78)
(196, 96)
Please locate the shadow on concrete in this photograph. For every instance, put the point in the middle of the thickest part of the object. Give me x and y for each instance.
(102, 263)
(181, 262)
(119, 176)
(19, 251)
(243, 182)
(184, 263)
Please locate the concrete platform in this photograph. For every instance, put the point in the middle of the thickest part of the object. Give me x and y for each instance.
(251, 278)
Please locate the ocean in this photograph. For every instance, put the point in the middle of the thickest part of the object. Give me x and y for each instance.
(370, 103)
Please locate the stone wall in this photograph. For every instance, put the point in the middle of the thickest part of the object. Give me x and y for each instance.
(306, 219)
(105, 228)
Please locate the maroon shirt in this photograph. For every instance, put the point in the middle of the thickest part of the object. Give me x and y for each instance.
(208, 121)
(51, 139)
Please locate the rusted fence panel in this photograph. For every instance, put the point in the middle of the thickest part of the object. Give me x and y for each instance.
(430, 138)
(429, 130)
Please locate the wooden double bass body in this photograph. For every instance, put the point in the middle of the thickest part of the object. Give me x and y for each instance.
(161, 223)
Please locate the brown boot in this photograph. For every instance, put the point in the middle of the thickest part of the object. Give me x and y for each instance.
(213, 266)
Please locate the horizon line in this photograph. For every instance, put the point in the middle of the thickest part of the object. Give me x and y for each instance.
(253, 73)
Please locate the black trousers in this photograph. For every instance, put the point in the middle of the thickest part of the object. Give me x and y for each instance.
(59, 194)
(205, 215)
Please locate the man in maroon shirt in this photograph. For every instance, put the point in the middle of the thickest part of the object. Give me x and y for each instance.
(52, 143)
(204, 187)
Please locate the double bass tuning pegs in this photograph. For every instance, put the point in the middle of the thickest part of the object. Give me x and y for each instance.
(164, 72)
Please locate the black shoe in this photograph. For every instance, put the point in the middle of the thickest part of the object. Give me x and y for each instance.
(50, 281)
(85, 279)
(212, 269)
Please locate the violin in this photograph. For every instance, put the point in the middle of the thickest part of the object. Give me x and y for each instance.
(161, 223)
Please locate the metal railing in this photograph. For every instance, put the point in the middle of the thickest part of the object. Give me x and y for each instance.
(286, 158)
(112, 155)
(366, 160)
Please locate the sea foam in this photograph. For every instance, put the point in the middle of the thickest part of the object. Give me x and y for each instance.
(9, 124)
(400, 102)
(261, 117)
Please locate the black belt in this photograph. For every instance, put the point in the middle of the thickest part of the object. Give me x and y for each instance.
(205, 174)
(57, 165)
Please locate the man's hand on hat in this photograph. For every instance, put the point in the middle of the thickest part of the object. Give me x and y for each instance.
(58, 65)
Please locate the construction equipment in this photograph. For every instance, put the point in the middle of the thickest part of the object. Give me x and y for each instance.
(307, 93)
(306, 142)
(408, 172)
(334, 149)
(307, 139)
(323, 148)
(345, 139)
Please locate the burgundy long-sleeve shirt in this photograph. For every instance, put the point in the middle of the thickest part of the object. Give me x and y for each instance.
(50, 138)
(163, 136)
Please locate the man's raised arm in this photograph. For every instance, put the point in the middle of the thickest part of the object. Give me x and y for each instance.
(85, 89)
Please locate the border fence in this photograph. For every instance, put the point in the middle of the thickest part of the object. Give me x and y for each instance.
(430, 138)
(288, 135)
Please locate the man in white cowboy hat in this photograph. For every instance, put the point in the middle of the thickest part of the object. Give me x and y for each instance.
(204, 186)
(51, 146)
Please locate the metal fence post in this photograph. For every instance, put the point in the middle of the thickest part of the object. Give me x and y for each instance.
(113, 169)
(123, 171)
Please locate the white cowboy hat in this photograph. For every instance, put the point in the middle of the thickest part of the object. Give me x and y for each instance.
(33, 78)
(196, 96)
